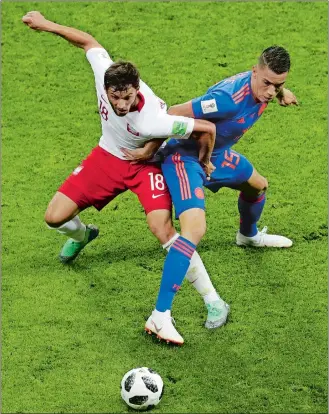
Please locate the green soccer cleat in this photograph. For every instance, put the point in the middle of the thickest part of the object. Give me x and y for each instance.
(217, 314)
(72, 248)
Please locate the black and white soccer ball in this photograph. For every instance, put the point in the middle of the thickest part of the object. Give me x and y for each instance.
(142, 388)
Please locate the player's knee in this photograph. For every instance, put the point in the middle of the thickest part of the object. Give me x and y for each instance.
(193, 224)
(261, 186)
(162, 230)
(54, 218)
(198, 233)
(201, 231)
(264, 185)
(194, 232)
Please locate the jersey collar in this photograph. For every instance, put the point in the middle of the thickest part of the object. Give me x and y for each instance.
(141, 102)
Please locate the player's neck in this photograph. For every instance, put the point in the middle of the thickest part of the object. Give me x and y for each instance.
(253, 93)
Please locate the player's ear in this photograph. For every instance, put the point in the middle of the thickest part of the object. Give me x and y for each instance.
(254, 70)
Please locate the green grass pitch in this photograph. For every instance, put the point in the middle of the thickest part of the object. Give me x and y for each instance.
(70, 333)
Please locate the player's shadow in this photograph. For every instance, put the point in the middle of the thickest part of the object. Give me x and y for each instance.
(118, 254)
(152, 338)
(135, 252)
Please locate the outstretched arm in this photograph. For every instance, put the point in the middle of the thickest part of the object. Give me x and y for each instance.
(36, 21)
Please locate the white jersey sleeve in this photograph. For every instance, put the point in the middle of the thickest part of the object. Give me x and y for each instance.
(170, 126)
(100, 61)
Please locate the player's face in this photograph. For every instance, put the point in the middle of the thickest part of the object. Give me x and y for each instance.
(122, 101)
(266, 84)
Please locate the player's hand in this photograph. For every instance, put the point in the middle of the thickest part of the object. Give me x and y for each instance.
(287, 98)
(136, 155)
(36, 21)
(208, 168)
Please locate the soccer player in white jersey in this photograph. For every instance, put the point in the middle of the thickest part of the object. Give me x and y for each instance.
(131, 115)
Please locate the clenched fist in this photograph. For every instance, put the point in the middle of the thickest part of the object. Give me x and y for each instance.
(36, 21)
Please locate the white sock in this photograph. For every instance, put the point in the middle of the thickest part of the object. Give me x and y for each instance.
(161, 315)
(74, 229)
(197, 275)
(170, 242)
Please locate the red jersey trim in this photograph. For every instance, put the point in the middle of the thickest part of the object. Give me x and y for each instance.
(141, 102)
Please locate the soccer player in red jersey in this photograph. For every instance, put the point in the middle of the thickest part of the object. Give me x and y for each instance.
(131, 117)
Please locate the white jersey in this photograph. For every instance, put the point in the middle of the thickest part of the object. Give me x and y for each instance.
(131, 131)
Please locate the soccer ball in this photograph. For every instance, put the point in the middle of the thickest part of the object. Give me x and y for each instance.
(142, 388)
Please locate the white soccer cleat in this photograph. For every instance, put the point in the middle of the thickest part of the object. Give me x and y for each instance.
(262, 239)
(163, 328)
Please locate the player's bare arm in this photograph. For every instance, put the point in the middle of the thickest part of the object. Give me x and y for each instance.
(184, 109)
(145, 153)
(36, 21)
(285, 97)
(204, 132)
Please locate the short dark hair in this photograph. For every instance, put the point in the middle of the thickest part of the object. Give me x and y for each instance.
(120, 75)
(276, 58)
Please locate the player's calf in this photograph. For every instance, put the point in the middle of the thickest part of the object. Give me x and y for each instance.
(251, 203)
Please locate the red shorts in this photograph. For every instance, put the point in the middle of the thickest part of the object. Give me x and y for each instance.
(102, 176)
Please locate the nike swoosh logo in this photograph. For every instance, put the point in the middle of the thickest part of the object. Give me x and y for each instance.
(156, 196)
(156, 328)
